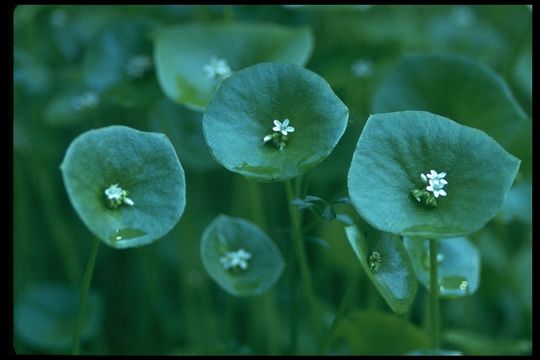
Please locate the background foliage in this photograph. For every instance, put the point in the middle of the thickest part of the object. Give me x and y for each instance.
(73, 71)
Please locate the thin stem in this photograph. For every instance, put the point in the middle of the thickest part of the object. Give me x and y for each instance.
(85, 288)
(300, 251)
(340, 312)
(434, 294)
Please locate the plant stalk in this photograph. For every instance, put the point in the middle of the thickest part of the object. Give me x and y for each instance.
(434, 295)
(85, 288)
(300, 252)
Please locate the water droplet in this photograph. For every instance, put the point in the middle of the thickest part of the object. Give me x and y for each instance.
(126, 234)
(464, 285)
(374, 261)
(454, 286)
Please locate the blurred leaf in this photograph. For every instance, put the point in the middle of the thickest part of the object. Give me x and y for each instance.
(144, 164)
(464, 90)
(184, 129)
(228, 237)
(387, 265)
(181, 53)
(240, 115)
(477, 344)
(45, 316)
(374, 332)
(395, 148)
(458, 269)
(518, 204)
(438, 352)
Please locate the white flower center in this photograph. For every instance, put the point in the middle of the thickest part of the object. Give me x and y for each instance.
(235, 259)
(116, 196)
(436, 182)
(217, 69)
(283, 127)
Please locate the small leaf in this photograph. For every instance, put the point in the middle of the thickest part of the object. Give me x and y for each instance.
(394, 149)
(379, 333)
(387, 265)
(242, 111)
(45, 315)
(458, 265)
(141, 163)
(464, 90)
(181, 53)
(263, 264)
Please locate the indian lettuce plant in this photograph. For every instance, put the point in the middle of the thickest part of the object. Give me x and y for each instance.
(265, 184)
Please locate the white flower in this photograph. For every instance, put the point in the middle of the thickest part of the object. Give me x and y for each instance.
(217, 69)
(235, 259)
(116, 196)
(284, 127)
(436, 183)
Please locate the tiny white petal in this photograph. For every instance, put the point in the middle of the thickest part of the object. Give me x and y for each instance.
(128, 201)
(442, 192)
(442, 181)
(429, 188)
(424, 178)
(441, 175)
(290, 129)
(277, 123)
(285, 123)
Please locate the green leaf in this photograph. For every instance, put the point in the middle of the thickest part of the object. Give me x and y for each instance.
(477, 344)
(242, 111)
(226, 235)
(387, 265)
(458, 88)
(374, 332)
(45, 316)
(184, 128)
(144, 164)
(518, 204)
(181, 52)
(394, 149)
(458, 269)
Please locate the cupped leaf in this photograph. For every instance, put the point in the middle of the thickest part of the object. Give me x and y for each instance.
(184, 128)
(45, 316)
(393, 151)
(143, 164)
(464, 90)
(458, 265)
(240, 257)
(182, 52)
(387, 265)
(369, 332)
(242, 112)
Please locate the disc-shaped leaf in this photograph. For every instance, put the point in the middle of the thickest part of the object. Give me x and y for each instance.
(464, 90)
(458, 265)
(143, 164)
(240, 257)
(394, 149)
(242, 113)
(45, 316)
(184, 128)
(182, 52)
(387, 265)
(375, 332)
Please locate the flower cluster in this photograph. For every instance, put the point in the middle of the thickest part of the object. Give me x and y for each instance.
(217, 69)
(279, 137)
(235, 260)
(433, 190)
(116, 196)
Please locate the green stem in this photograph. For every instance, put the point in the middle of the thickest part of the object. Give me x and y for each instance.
(85, 288)
(434, 294)
(340, 312)
(300, 252)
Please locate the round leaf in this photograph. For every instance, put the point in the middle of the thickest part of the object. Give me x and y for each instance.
(144, 164)
(45, 316)
(458, 269)
(241, 114)
(464, 90)
(393, 275)
(394, 149)
(182, 52)
(379, 333)
(227, 235)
